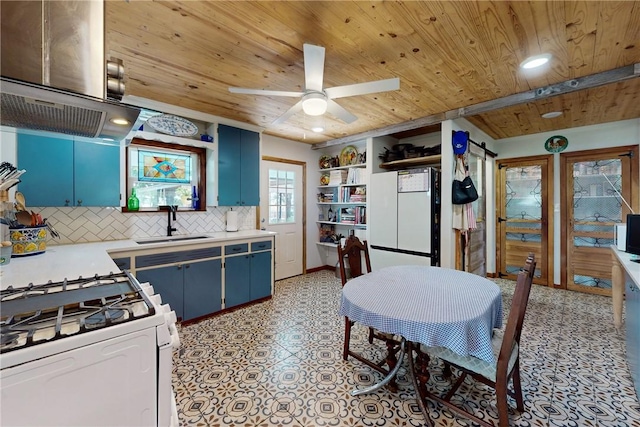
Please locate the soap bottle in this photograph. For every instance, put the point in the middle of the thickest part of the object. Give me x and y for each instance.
(133, 204)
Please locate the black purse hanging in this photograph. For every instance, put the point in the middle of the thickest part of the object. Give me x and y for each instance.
(464, 191)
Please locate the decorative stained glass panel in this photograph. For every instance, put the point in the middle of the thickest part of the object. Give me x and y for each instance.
(163, 167)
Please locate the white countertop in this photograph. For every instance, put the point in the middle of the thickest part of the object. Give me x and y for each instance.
(61, 262)
(631, 268)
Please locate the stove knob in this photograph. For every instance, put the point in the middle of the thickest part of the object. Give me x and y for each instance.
(169, 314)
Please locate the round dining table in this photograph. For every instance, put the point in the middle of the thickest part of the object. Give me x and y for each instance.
(434, 306)
(437, 307)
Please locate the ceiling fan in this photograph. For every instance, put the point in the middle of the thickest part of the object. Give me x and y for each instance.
(317, 100)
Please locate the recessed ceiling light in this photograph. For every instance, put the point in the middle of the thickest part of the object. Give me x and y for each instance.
(317, 129)
(551, 114)
(120, 121)
(535, 61)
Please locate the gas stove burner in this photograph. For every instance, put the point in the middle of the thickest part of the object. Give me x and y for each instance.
(9, 339)
(104, 317)
(38, 314)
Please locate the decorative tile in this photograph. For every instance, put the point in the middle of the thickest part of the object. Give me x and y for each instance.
(279, 363)
(82, 225)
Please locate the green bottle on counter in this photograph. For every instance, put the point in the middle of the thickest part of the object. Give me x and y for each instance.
(133, 204)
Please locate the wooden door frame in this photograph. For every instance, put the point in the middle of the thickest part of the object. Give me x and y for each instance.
(632, 197)
(546, 213)
(304, 204)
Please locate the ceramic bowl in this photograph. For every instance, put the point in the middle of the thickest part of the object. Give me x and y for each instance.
(28, 241)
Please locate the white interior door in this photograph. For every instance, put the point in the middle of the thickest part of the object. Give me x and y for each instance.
(281, 207)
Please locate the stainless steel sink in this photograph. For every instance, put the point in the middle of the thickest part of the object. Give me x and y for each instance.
(171, 239)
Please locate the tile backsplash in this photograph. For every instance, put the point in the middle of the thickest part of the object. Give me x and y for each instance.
(82, 225)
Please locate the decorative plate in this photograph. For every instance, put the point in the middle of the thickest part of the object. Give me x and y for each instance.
(173, 125)
(556, 144)
(325, 162)
(324, 179)
(348, 156)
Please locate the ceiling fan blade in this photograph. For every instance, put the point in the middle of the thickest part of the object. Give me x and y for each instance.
(338, 111)
(363, 88)
(290, 112)
(313, 67)
(265, 92)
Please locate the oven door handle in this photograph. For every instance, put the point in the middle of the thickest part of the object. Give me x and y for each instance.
(175, 337)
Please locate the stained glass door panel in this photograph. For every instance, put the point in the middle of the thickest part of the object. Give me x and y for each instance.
(593, 211)
(523, 217)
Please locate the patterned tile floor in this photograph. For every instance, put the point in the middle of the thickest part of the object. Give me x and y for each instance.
(279, 363)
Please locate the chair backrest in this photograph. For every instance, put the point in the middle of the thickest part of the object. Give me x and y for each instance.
(351, 255)
(517, 312)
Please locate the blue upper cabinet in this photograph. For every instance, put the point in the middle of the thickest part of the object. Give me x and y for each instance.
(96, 173)
(238, 167)
(62, 171)
(48, 180)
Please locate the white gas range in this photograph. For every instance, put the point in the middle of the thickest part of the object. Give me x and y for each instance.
(87, 352)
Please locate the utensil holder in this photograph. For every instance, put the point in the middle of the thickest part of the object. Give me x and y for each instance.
(28, 240)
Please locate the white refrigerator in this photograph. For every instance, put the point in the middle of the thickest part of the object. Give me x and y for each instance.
(404, 210)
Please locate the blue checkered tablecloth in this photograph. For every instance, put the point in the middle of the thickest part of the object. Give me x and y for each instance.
(429, 305)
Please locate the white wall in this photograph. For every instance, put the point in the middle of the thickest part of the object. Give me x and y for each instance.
(626, 132)
(285, 149)
(447, 236)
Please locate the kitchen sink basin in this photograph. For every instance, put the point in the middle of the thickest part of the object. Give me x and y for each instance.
(171, 239)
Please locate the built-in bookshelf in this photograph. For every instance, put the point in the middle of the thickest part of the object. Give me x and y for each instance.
(342, 202)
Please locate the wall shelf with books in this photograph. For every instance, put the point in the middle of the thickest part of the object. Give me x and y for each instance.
(342, 195)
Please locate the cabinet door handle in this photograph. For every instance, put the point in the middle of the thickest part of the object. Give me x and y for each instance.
(179, 267)
(79, 202)
(187, 266)
(66, 202)
(235, 249)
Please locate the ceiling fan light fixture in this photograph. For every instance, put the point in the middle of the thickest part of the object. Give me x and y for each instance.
(314, 104)
(535, 61)
(551, 114)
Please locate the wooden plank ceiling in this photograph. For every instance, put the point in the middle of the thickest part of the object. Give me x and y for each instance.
(448, 55)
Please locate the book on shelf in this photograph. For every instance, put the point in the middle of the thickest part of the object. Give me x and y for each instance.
(353, 194)
(357, 176)
(337, 177)
(352, 215)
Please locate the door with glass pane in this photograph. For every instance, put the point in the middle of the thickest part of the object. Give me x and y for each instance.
(524, 195)
(282, 211)
(591, 185)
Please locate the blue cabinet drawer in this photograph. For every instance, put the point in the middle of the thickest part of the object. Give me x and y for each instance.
(173, 257)
(261, 246)
(157, 259)
(199, 253)
(236, 249)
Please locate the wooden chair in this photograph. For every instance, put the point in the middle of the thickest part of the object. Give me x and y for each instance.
(506, 348)
(352, 255)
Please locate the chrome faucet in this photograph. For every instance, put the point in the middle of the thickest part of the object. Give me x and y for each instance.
(171, 211)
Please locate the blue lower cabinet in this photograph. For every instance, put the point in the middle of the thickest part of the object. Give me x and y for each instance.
(260, 275)
(202, 288)
(247, 278)
(191, 289)
(168, 283)
(237, 280)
